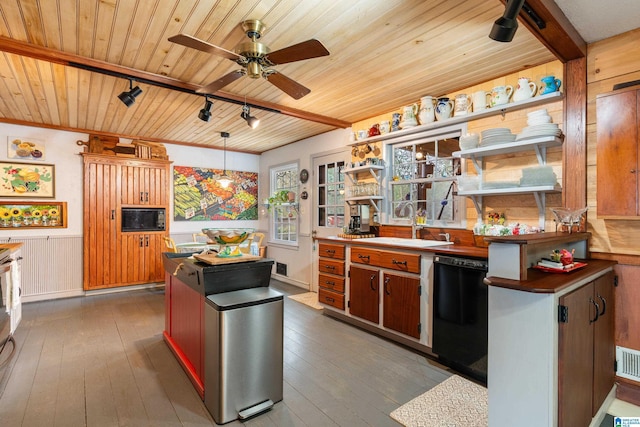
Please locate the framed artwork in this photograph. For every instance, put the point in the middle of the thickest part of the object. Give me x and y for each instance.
(199, 197)
(33, 214)
(25, 148)
(27, 180)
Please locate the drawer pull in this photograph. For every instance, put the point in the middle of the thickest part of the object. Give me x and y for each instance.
(329, 299)
(372, 280)
(394, 262)
(604, 305)
(330, 267)
(332, 284)
(367, 257)
(597, 307)
(386, 285)
(178, 268)
(330, 251)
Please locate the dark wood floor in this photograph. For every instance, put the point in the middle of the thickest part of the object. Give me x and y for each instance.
(101, 361)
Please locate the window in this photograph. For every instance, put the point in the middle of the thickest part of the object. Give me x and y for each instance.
(423, 182)
(284, 218)
(331, 194)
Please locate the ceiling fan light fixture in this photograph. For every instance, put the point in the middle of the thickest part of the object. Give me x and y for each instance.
(128, 98)
(253, 122)
(504, 29)
(205, 113)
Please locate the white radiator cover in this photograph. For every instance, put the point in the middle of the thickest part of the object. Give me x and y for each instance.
(628, 363)
(51, 267)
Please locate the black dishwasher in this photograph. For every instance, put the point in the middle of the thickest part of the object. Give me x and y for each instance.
(460, 314)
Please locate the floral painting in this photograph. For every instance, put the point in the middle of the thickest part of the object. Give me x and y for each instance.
(198, 196)
(26, 180)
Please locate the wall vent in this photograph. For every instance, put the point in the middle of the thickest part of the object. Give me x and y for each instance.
(281, 269)
(628, 363)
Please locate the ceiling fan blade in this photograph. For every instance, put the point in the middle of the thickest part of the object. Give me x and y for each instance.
(285, 84)
(194, 43)
(297, 52)
(221, 82)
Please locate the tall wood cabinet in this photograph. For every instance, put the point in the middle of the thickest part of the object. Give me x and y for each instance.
(111, 257)
(618, 142)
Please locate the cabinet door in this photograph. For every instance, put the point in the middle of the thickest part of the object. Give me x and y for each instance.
(575, 359)
(100, 224)
(186, 314)
(617, 154)
(401, 304)
(604, 350)
(363, 294)
(141, 258)
(144, 185)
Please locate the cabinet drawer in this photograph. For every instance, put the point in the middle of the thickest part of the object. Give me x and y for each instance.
(331, 298)
(400, 261)
(328, 250)
(331, 266)
(331, 282)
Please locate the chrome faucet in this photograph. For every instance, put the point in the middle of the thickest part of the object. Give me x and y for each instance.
(446, 236)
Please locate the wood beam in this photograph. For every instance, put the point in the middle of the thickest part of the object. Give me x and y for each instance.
(559, 35)
(574, 170)
(94, 65)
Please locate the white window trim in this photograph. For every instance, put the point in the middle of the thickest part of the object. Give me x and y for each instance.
(273, 171)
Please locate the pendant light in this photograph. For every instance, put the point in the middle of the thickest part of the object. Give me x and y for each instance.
(225, 179)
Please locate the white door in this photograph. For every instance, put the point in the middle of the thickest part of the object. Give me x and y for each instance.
(328, 200)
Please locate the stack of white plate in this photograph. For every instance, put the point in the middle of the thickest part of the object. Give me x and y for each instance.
(539, 124)
(538, 175)
(496, 136)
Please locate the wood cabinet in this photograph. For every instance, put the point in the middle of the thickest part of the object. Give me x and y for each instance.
(112, 257)
(331, 275)
(401, 302)
(364, 294)
(586, 351)
(618, 131)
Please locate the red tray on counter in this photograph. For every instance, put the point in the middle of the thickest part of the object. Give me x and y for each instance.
(576, 266)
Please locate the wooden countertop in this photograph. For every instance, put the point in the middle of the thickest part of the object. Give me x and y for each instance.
(11, 246)
(459, 250)
(542, 282)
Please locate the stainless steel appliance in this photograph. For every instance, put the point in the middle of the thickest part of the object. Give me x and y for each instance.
(460, 314)
(243, 353)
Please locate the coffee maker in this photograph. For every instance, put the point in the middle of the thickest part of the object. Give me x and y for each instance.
(359, 220)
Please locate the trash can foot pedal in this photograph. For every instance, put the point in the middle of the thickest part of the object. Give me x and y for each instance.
(256, 409)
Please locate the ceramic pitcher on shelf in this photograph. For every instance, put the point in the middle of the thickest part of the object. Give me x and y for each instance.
(501, 94)
(427, 111)
(525, 89)
(409, 116)
(444, 108)
(550, 84)
(462, 104)
(481, 100)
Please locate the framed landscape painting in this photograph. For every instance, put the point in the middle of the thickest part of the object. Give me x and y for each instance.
(27, 180)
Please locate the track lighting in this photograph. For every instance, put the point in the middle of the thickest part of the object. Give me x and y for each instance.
(225, 179)
(129, 97)
(505, 27)
(205, 113)
(253, 122)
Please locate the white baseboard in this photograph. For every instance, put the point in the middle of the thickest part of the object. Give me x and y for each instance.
(290, 281)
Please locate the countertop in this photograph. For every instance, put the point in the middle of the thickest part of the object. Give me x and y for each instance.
(542, 282)
(459, 250)
(11, 246)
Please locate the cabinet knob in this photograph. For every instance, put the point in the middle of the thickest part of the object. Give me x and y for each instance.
(633, 171)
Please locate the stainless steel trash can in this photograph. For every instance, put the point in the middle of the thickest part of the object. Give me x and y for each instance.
(243, 353)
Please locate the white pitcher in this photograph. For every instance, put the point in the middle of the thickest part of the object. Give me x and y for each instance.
(525, 89)
(409, 116)
(501, 94)
(481, 100)
(462, 105)
(427, 111)
(444, 108)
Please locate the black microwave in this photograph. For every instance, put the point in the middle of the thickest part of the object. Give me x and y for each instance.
(143, 219)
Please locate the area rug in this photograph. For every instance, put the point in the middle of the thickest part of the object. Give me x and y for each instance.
(308, 298)
(456, 402)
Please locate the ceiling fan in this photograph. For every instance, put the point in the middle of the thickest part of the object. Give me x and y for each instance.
(256, 59)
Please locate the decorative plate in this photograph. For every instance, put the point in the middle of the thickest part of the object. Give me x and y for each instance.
(304, 176)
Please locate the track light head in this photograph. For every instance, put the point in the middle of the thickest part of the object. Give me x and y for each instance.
(505, 27)
(253, 122)
(205, 113)
(129, 97)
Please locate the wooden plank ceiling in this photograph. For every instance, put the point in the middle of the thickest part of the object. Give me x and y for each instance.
(383, 55)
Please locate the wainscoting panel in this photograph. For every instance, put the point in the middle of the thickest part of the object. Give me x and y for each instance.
(51, 266)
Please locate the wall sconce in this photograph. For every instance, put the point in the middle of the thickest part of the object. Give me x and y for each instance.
(129, 97)
(205, 113)
(253, 122)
